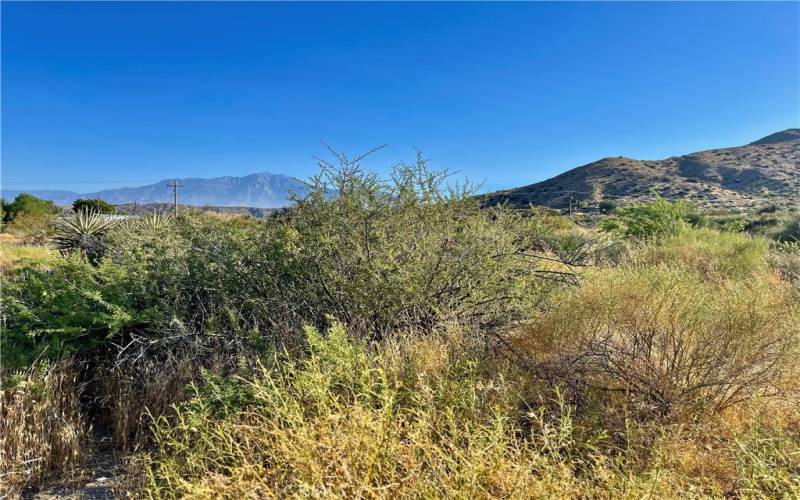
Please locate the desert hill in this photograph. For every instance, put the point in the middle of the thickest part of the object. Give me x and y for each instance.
(766, 171)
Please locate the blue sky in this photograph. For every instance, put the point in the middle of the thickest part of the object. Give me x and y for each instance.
(508, 94)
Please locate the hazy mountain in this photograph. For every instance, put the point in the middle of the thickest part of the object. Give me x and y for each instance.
(57, 197)
(262, 190)
(765, 171)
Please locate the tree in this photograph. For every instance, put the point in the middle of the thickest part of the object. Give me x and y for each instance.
(29, 205)
(95, 205)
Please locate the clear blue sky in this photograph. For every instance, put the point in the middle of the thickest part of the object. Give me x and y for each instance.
(508, 94)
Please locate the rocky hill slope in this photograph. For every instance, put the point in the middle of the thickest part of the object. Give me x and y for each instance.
(766, 171)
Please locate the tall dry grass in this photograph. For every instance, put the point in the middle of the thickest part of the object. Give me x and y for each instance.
(412, 418)
(44, 433)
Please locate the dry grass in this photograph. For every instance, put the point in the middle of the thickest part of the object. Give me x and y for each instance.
(11, 253)
(693, 322)
(415, 418)
(431, 414)
(717, 256)
(128, 396)
(43, 432)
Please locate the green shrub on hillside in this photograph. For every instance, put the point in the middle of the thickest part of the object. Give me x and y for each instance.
(716, 255)
(655, 219)
(790, 231)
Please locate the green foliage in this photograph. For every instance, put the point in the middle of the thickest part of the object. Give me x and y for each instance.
(60, 308)
(154, 221)
(83, 231)
(790, 232)
(716, 255)
(28, 217)
(29, 205)
(409, 251)
(655, 219)
(382, 255)
(150, 223)
(690, 323)
(607, 206)
(93, 205)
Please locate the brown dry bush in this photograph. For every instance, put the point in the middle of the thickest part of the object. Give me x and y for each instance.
(43, 431)
(669, 340)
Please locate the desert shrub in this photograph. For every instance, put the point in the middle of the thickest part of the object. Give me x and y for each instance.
(44, 432)
(149, 223)
(202, 268)
(93, 205)
(770, 208)
(409, 418)
(83, 231)
(607, 206)
(31, 229)
(785, 261)
(672, 341)
(655, 219)
(716, 255)
(29, 205)
(382, 255)
(60, 308)
(790, 231)
(28, 217)
(130, 390)
(408, 252)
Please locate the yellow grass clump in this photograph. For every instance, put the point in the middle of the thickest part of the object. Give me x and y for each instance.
(13, 253)
(43, 431)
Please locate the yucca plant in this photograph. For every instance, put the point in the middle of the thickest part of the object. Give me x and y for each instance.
(154, 221)
(83, 231)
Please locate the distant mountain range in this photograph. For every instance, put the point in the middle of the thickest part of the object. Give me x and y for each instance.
(766, 171)
(262, 190)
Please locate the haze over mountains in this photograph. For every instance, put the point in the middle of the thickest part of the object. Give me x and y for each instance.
(263, 190)
(766, 171)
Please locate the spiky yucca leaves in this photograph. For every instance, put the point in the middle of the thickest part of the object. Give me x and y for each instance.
(155, 221)
(83, 231)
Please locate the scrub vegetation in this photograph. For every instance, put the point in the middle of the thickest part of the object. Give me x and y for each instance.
(398, 340)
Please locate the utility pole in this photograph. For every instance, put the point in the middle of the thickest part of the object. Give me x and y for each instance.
(174, 185)
(571, 198)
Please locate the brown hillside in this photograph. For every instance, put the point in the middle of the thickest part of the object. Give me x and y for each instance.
(765, 171)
